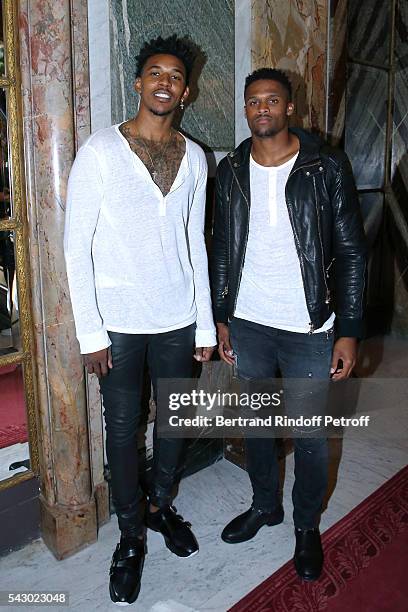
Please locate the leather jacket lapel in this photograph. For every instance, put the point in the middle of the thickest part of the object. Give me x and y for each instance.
(239, 162)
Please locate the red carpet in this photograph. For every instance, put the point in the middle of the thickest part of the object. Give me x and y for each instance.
(365, 563)
(13, 421)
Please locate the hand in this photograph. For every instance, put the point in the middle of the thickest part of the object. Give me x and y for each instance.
(99, 363)
(345, 349)
(203, 353)
(224, 346)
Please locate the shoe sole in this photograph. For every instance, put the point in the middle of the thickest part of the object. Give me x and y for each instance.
(270, 524)
(307, 578)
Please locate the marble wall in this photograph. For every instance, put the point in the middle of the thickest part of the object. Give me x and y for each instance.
(366, 117)
(99, 64)
(209, 115)
(243, 64)
(369, 32)
(337, 71)
(292, 36)
(400, 133)
(378, 82)
(399, 171)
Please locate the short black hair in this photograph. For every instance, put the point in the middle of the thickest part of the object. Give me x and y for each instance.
(183, 48)
(271, 74)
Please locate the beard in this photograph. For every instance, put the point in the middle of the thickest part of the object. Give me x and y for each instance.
(270, 130)
(161, 113)
(266, 133)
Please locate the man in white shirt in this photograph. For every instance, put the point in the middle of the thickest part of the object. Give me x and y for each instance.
(287, 228)
(138, 279)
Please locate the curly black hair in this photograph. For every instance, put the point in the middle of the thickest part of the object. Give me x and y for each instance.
(271, 74)
(183, 48)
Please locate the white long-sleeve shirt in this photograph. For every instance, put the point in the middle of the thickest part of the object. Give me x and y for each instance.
(136, 260)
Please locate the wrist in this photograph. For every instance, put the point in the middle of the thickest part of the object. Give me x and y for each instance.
(221, 325)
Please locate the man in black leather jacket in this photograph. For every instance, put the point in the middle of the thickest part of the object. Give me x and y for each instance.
(287, 232)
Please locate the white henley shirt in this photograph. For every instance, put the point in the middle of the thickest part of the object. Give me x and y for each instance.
(271, 292)
(136, 260)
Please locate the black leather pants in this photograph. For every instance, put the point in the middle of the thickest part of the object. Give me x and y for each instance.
(169, 355)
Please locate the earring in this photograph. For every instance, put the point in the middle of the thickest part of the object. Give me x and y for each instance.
(182, 104)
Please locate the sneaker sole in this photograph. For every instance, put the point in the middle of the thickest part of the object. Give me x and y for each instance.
(193, 554)
(124, 603)
(176, 552)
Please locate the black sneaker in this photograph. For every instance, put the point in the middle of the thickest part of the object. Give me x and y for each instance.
(176, 531)
(126, 571)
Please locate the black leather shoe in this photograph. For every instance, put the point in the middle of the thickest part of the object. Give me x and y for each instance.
(176, 531)
(246, 525)
(308, 557)
(126, 571)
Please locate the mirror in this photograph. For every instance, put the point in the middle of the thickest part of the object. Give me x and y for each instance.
(14, 450)
(5, 199)
(10, 340)
(2, 63)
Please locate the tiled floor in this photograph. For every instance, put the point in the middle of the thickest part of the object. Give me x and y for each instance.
(220, 574)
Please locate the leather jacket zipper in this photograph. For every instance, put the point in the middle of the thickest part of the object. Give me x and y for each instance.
(311, 325)
(246, 240)
(297, 242)
(224, 293)
(319, 233)
(329, 266)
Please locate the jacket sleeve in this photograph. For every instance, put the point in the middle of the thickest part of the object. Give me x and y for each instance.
(349, 251)
(219, 250)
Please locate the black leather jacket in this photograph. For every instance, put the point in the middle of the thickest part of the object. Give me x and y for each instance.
(325, 216)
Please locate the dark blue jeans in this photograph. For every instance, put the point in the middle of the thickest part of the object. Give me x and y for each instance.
(261, 353)
(169, 355)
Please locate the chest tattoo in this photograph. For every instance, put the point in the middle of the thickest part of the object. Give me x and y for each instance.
(162, 159)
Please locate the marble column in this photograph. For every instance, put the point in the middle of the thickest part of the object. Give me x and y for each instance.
(292, 35)
(54, 65)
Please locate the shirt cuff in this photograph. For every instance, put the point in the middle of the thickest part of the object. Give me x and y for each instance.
(205, 337)
(90, 343)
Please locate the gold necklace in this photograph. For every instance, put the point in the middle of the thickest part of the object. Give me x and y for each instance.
(146, 148)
